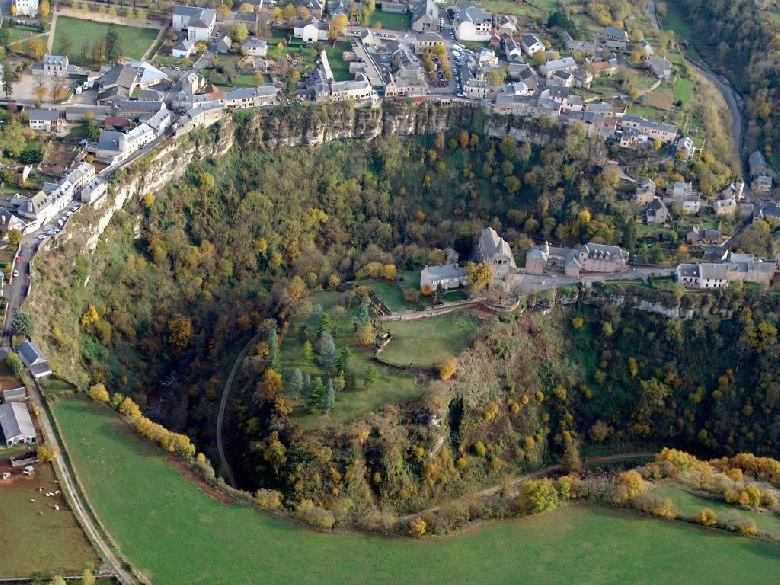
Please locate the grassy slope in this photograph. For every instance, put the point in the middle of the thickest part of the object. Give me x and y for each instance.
(390, 20)
(391, 385)
(690, 504)
(427, 342)
(34, 538)
(134, 41)
(179, 535)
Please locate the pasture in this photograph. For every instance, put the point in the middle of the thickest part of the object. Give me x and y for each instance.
(133, 41)
(175, 534)
(36, 539)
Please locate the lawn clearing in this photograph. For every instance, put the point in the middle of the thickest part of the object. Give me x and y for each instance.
(175, 534)
(134, 41)
(19, 32)
(390, 293)
(391, 385)
(35, 538)
(661, 98)
(683, 90)
(390, 20)
(689, 505)
(428, 342)
(338, 66)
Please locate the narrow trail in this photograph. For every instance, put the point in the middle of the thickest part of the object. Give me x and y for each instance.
(511, 482)
(224, 467)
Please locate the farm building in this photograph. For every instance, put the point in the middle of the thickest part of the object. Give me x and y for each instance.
(33, 358)
(16, 424)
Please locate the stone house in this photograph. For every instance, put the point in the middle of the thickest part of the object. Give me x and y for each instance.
(645, 192)
(495, 252)
(656, 213)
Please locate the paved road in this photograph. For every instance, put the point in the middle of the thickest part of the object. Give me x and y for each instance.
(527, 283)
(71, 489)
(511, 482)
(224, 466)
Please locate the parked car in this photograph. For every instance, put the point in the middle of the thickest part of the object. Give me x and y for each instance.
(16, 273)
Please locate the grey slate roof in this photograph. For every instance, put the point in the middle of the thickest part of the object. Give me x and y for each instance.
(31, 353)
(50, 115)
(15, 420)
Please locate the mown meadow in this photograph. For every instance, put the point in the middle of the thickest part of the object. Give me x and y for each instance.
(174, 533)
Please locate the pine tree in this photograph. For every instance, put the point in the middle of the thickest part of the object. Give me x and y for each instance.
(295, 383)
(327, 351)
(306, 390)
(342, 364)
(314, 317)
(325, 324)
(363, 317)
(113, 44)
(329, 396)
(316, 396)
(274, 359)
(308, 352)
(369, 377)
(8, 78)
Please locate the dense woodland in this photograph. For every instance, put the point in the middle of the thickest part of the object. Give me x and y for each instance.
(743, 41)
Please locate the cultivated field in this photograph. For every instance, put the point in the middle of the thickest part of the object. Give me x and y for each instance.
(427, 342)
(176, 534)
(133, 40)
(35, 539)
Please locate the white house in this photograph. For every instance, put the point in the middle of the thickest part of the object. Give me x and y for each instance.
(24, 8)
(567, 64)
(473, 24)
(183, 49)
(45, 120)
(81, 175)
(16, 423)
(254, 47)
(55, 65)
(93, 190)
(197, 22)
(531, 44)
(249, 97)
(310, 30)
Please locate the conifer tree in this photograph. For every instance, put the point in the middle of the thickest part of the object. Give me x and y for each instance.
(295, 383)
(316, 395)
(327, 351)
(329, 396)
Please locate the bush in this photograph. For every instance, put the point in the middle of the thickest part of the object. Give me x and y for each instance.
(706, 517)
(14, 363)
(268, 499)
(98, 393)
(315, 516)
(655, 506)
(417, 527)
(537, 495)
(629, 485)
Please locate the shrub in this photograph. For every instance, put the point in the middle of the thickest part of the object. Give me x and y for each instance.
(747, 527)
(629, 485)
(706, 517)
(537, 495)
(655, 506)
(44, 453)
(417, 526)
(268, 499)
(315, 516)
(98, 393)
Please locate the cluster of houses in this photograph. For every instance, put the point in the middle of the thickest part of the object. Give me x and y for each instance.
(730, 202)
(572, 262)
(15, 420)
(735, 268)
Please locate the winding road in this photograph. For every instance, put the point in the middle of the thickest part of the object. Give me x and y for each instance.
(224, 466)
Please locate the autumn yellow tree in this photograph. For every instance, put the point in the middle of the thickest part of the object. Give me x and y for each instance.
(179, 332)
(336, 26)
(480, 276)
(44, 9)
(448, 368)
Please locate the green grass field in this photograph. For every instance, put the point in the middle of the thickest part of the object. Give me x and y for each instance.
(427, 342)
(338, 66)
(175, 534)
(689, 505)
(391, 385)
(675, 20)
(390, 293)
(133, 40)
(390, 20)
(683, 90)
(36, 539)
(18, 32)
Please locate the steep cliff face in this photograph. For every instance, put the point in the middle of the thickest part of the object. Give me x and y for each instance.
(311, 126)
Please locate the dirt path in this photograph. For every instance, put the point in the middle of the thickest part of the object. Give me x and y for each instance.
(154, 44)
(77, 500)
(224, 467)
(511, 482)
